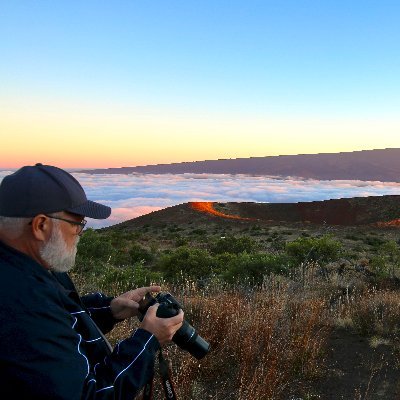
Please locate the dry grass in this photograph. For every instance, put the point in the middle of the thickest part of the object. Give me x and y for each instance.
(267, 341)
(374, 312)
(263, 342)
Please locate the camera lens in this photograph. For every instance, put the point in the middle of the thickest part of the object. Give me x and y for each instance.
(188, 339)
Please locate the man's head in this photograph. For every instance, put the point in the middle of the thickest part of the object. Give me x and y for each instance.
(42, 210)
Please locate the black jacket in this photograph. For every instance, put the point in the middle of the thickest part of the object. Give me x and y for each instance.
(51, 346)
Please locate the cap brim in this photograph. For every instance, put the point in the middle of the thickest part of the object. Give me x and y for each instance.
(91, 209)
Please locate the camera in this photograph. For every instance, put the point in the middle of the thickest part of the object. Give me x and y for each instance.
(186, 336)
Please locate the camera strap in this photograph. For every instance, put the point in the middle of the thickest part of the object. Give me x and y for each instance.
(148, 389)
(166, 379)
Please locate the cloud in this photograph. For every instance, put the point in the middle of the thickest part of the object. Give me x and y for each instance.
(136, 194)
(122, 214)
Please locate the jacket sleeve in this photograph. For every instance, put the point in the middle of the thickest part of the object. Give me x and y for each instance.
(122, 374)
(98, 307)
(47, 359)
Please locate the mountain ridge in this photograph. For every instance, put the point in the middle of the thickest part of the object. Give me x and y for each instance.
(365, 165)
(378, 211)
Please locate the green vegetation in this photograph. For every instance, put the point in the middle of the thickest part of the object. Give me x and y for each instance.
(232, 258)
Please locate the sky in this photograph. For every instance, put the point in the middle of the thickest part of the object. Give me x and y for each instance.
(106, 84)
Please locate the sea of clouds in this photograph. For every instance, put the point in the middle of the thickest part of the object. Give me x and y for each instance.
(133, 195)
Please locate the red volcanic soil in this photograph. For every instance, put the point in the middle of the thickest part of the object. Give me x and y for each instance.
(208, 207)
(394, 223)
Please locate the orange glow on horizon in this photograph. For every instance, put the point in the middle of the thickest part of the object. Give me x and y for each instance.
(72, 133)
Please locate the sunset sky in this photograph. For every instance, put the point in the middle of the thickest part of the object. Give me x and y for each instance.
(125, 83)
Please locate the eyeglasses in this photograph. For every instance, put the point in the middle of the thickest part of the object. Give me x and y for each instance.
(79, 225)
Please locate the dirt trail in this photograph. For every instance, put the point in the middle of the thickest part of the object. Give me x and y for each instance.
(357, 371)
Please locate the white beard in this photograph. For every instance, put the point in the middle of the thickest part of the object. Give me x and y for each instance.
(56, 253)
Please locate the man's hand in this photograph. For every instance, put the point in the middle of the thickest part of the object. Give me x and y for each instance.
(162, 328)
(126, 305)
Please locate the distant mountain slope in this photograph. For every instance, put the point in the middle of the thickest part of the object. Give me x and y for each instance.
(373, 210)
(378, 165)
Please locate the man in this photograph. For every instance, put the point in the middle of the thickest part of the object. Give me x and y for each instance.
(51, 341)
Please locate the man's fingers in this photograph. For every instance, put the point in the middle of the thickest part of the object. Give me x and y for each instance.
(175, 320)
(178, 319)
(143, 290)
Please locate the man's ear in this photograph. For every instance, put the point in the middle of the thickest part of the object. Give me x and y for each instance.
(41, 227)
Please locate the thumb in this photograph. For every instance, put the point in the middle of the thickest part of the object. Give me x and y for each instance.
(152, 310)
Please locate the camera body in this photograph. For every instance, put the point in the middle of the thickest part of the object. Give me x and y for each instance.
(186, 336)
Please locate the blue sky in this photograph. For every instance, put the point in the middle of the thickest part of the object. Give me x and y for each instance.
(270, 71)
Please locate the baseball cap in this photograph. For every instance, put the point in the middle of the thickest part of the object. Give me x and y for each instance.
(44, 189)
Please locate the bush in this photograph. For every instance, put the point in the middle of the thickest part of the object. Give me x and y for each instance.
(181, 241)
(186, 263)
(138, 253)
(121, 258)
(374, 241)
(314, 249)
(199, 231)
(387, 260)
(379, 266)
(93, 248)
(234, 245)
(252, 268)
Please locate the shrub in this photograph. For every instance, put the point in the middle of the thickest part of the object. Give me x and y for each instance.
(374, 241)
(252, 268)
(199, 231)
(121, 258)
(379, 265)
(314, 249)
(181, 241)
(386, 259)
(234, 245)
(93, 247)
(186, 263)
(138, 253)
(277, 243)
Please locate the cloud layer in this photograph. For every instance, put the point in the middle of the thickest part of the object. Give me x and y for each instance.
(133, 195)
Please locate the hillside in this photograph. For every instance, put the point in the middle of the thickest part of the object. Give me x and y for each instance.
(367, 165)
(373, 210)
